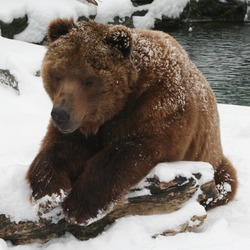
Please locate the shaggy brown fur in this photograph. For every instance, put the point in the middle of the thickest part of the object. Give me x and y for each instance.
(123, 101)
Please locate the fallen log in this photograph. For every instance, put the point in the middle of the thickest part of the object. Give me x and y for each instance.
(153, 196)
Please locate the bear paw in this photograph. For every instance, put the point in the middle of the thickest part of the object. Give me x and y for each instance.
(49, 202)
(76, 212)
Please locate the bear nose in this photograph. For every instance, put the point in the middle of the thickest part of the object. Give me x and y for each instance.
(60, 117)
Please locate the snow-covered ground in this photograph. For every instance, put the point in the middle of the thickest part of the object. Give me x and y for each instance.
(24, 118)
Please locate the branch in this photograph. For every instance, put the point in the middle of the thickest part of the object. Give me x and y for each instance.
(163, 197)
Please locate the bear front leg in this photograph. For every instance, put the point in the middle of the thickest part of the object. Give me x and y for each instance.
(107, 177)
(55, 168)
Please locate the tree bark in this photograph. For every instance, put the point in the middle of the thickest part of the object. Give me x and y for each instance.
(163, 198)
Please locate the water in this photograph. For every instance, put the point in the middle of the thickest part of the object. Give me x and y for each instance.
(222, 53)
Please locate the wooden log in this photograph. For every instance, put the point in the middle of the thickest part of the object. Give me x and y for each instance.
(162, 198)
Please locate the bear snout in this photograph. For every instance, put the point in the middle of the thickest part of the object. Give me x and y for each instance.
(60, 117)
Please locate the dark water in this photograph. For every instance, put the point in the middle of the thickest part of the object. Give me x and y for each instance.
(222, 53)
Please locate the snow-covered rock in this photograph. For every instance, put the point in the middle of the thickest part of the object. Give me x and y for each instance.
(27, 20)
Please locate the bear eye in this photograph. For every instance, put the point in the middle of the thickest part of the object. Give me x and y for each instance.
(58, 78)
(89, 81)
(92, 80)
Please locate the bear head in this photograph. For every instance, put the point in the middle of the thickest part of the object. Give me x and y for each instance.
(87, 72)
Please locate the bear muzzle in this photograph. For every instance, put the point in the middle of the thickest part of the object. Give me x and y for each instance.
(61, 119)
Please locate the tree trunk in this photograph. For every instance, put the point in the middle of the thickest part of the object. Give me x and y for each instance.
(163, 198)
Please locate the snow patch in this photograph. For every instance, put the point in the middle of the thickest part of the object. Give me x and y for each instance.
(40, 14)
(49, 202)
(108, 9)
(15, 194)
(156, 224)
(158, 9)
(168, 171)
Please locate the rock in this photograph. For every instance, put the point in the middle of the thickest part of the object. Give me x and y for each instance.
(214, 10)
(7, 78)
(196, 11)
(18, 25)
(141, 2)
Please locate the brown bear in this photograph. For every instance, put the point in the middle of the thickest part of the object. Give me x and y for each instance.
(123, 101)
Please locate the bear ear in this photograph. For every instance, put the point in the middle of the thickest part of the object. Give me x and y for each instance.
(59, 27)
(120, 37)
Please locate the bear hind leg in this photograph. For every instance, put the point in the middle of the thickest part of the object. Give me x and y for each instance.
(226, 184)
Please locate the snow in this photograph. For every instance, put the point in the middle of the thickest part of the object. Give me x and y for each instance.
(159, 8)
(167, 172)
(24, 119)
(108, 9)
(46, 203)
(40, 13)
